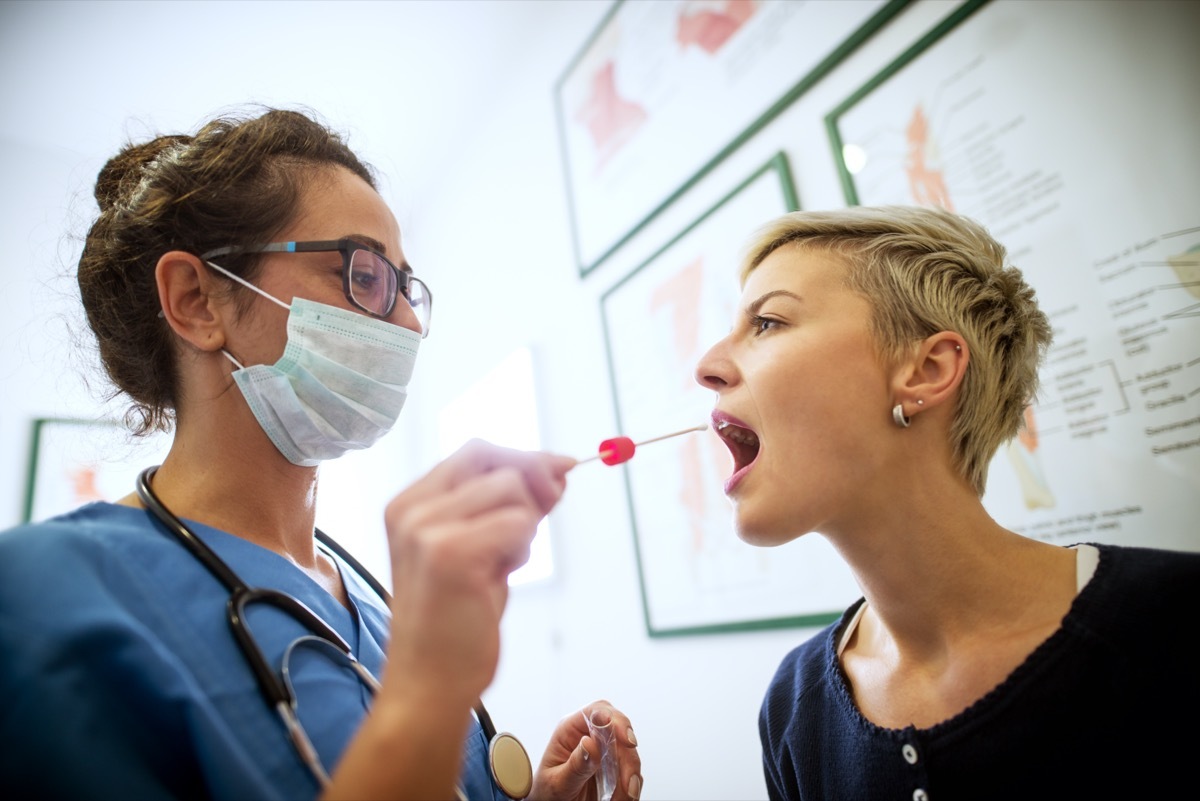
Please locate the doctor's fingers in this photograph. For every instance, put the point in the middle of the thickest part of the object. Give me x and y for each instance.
(544, 473)
(601, 710)
(493, 516)
(500, 488)
(583, 764)
(622, 743)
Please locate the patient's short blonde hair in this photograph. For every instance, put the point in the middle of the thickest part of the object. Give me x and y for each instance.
(926, 270)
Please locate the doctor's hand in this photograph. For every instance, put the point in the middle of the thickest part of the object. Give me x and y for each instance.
(455, 535)
(572, 759)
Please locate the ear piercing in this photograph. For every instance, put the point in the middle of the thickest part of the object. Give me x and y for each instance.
(898, 414)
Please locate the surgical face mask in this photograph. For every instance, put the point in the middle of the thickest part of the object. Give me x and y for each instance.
(339, 386)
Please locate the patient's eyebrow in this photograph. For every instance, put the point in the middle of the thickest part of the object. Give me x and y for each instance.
(757, 304)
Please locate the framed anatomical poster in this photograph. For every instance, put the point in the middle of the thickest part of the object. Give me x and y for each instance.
(76, 461)
(665, 90)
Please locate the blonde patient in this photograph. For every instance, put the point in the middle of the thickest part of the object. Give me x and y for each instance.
(879, 359)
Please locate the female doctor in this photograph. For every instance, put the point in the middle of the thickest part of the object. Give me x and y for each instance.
(246, 285)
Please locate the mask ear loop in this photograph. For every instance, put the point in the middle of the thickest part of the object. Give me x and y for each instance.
(251, 287)
(247, 284)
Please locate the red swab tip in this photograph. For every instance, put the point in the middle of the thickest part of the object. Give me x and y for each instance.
(616, 450)
(620, 449)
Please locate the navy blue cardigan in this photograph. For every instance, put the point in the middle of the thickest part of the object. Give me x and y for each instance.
(1107, 707)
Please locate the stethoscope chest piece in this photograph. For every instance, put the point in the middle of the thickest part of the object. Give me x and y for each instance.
(511, 768)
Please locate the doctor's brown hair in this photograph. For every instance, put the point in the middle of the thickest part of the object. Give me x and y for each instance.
(236, 181)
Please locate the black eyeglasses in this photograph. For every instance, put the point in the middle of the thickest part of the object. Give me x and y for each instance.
(371, 282)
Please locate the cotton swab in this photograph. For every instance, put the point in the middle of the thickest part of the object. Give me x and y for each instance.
(620, 449)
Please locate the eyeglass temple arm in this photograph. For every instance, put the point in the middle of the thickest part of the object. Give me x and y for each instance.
(323, 245)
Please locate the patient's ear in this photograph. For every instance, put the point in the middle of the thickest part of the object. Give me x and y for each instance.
(185, 292)
(933, 374)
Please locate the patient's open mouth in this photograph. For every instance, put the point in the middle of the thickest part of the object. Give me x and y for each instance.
(741, 441)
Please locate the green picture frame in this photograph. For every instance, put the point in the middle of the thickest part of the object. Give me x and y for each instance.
(845, 169)
(74, 461)
(624, 161)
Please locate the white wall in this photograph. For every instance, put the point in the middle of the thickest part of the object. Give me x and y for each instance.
(492, 237)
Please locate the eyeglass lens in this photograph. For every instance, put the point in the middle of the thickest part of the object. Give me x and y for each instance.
(373, 287)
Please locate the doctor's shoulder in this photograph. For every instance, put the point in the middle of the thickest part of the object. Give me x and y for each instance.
(82, 557)
(83, 674)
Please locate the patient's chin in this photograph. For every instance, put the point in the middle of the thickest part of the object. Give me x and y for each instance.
(758, 534)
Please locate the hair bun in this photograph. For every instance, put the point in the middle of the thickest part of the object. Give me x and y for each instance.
(124, 172)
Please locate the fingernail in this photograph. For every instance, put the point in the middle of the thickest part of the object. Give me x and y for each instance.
(586, 755)
(635, 786)
(632, 739)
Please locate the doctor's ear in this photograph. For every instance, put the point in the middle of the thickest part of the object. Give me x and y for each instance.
(186, 290)
(933, 374)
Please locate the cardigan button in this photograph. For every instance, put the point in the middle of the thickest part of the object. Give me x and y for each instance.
(910, 754)
(920, 795)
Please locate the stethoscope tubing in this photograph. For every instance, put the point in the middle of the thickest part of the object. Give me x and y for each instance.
(274, 690)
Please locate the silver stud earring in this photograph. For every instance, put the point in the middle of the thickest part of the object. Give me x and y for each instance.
(898, 416)
(958, 347)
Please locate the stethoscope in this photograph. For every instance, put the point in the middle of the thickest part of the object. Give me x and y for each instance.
(509, 762)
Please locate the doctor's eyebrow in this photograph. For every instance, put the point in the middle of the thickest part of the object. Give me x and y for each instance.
(368, 241)
(377, 245)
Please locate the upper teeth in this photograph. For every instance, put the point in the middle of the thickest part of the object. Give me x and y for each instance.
(740, 435)
(732, 432)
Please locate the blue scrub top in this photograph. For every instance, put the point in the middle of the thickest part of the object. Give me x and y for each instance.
(120, 678)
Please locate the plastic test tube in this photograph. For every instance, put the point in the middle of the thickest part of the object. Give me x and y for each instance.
(600, 726)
